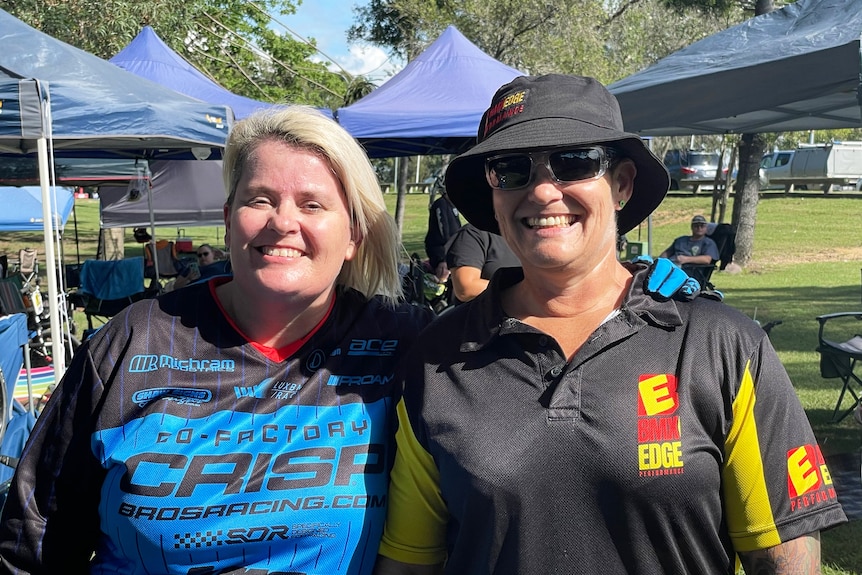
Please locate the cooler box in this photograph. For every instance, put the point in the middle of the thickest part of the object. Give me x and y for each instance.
(183, 243)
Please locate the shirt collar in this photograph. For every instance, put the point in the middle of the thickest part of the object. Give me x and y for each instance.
(485, 318)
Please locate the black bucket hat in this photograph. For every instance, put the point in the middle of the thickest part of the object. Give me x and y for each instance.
(538, 112)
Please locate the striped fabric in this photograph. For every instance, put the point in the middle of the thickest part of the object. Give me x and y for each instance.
(41, 378)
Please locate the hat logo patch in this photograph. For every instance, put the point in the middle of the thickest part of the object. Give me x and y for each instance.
(508, 107)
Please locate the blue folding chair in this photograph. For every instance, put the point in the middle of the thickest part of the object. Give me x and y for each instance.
(107, 287)
(17, 422)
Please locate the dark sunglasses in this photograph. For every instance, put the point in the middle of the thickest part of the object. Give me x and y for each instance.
(515, 170)
(203, 254)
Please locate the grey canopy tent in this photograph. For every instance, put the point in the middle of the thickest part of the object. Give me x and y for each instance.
(182, 193)
(797, 68)
(59, 100)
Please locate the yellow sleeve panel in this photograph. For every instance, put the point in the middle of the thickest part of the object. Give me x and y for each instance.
(416, 519)
(750, 520)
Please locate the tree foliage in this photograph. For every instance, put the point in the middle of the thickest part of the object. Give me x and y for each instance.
(230, 40)
(605, 39)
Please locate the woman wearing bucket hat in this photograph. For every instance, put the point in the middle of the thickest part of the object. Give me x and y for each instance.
(566, 421)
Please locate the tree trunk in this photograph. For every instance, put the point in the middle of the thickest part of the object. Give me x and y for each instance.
(751, 148)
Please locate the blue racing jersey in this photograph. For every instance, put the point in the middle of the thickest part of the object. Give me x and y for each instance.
(175, 446)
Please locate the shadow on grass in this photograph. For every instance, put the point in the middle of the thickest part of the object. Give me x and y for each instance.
(797, 307)
(842, 437)
(840, 548)
(840, 545)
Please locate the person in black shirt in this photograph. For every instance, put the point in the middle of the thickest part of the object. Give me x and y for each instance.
(443, 223)
(566, 420)
(473, 257)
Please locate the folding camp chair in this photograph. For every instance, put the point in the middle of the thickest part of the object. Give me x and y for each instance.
(14, 299)
(842, 358)
(28, 264)
(107, 287)
(11, 299)
(702, 273)
(725, 238)
(166, 259)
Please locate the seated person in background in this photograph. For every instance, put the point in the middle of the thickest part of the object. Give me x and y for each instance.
(211, 262)
(696, 249)
(207, 255)
(473, 257)
(443, 223)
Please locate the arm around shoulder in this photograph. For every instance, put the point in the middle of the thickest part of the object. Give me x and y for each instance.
(387, 566)
(800, 556)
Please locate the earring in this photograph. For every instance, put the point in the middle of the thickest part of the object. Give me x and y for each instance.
(622, 203)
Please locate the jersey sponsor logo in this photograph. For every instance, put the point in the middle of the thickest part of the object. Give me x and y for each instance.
(315, 360)
(181, 395)
(146, 363)
(659, 449)
(373, 347)
(267, 433)
(178, 475)
(657, 395)
(808, 479)
(370, 379)
(252, 508)
(275, 389)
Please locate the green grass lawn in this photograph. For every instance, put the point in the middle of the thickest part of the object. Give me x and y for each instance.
(806, 262)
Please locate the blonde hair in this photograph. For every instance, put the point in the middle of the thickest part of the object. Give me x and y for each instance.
(374, 269)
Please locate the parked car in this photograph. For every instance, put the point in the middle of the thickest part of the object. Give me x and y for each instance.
(691, 168)
(833, 165)
(775, 165)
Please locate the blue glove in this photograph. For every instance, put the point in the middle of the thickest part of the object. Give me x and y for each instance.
(668, 280)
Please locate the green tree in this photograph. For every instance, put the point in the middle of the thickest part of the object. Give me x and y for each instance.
(605, 39)
(230, 40)
(600, 38)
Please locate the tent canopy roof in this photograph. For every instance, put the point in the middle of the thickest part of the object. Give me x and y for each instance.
(149, 57)
(433, 105)
(96, 108)
(797, 68)
(183, 193)
(22, 208)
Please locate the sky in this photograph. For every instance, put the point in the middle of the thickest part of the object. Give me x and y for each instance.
(327, 22)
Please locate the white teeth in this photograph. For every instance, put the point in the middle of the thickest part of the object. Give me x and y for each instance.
(282, 252)
(551, 222)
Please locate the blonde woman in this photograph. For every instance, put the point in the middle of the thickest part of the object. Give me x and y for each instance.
(241, 424)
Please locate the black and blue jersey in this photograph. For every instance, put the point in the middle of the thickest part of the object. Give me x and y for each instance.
(173, 445)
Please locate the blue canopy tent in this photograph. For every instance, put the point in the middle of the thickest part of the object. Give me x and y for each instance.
(96, 109)
(59, 100)
(149, 57)
(432, 106)
(22, 208)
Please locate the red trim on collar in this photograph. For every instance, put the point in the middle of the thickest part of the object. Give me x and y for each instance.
(275, 354)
